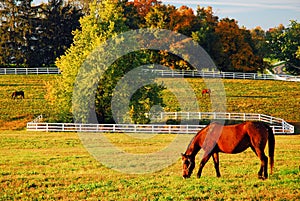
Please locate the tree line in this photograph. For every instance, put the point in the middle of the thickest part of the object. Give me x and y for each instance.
(69, 34)
(36, 35)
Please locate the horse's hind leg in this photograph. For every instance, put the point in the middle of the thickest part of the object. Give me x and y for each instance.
(216, 162)
(263, 165)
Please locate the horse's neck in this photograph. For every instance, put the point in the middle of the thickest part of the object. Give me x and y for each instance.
(193, 148)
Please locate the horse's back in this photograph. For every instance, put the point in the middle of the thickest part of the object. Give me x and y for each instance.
(233, 139)
(17, 93)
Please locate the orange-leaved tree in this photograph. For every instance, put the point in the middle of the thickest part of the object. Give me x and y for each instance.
(238, 49)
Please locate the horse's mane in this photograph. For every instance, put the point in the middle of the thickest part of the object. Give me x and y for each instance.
(200, 132)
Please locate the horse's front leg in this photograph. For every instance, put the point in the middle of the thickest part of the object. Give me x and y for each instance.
(216, 162)
(202, 163)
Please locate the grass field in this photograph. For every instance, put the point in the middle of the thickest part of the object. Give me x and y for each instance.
(14, 114)
(56, 166)
(276, 98)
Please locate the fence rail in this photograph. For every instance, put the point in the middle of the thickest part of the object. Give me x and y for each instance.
(115, 128)
(223, 75)
(27, 71)
(278, 125)
(165, 73)
(278, 122)
(125, 128)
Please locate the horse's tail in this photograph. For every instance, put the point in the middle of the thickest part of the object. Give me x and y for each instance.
(271, 143)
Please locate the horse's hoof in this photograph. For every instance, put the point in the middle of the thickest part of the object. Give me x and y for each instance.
(262, 178)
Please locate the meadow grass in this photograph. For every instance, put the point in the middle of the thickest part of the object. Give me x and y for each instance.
(14, 114)
(56, 166)
(276, 98)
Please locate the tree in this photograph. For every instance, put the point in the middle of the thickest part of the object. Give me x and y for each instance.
(54, 31)
(35, 35)
(104, 21)
(15, 30)
(144, 6)
(284, 43)
(259, 39)
(237, 48)
(183, 20)
(206, 35)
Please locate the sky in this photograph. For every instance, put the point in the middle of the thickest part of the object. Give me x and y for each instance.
(249, 13)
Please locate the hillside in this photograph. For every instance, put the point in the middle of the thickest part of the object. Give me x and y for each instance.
(275, 98)
(15, 113)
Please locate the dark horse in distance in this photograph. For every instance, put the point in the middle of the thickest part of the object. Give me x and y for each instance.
(15, 94)
(230, 139)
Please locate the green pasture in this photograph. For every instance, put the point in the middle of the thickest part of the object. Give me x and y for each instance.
(276, 98)
(56, 166)
(14, 114)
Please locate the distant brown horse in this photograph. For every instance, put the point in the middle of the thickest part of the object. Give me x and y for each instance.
(231, 139)
(206, 91)
(15, 94)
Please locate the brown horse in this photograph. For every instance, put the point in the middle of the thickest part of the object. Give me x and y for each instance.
(15, 94)
(206, 91)
(231, 139)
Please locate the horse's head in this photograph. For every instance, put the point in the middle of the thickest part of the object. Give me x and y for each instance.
(188, 165)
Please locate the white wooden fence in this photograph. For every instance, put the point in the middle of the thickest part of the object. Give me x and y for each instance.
(222, 75)
(114, 128)
(281, 125)
(27, 71)
(126, 128)
(165, 73)
(278, 125)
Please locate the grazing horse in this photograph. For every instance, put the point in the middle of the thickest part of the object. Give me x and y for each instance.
(231, 139)
(206, 91)
(15, 94)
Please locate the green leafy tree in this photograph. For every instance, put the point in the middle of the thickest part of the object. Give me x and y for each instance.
(15, 32)
(284, 44)
(273, 40)
(104, 21)
(206, 35)
(35, 35)
(55, 28)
